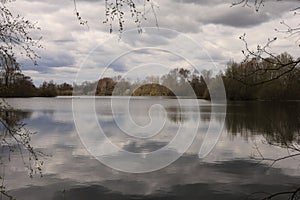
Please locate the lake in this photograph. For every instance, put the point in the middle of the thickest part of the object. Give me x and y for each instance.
(227, 172)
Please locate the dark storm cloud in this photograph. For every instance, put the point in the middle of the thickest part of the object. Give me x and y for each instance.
(238, 18)
(118, 67)
(149, 38)
(222, 12)
(49, 60)
(60, 59)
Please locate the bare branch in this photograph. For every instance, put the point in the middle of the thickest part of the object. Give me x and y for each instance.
(262, 66)
(293, 194)
(116, 10)
(256, 3)
(15, 37)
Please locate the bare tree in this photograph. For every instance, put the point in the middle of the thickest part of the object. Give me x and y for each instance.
(15, 41)
(264, 53)
(289, 195)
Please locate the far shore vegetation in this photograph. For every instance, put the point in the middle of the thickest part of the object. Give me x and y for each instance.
(238, 80)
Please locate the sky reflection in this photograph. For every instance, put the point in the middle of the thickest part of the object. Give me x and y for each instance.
(227, 173)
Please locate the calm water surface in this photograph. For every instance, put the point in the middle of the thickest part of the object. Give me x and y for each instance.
(228, 172)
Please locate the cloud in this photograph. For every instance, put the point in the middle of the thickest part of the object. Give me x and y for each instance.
(203, 2)
(236, 17)
(49, 60)
(213, 24)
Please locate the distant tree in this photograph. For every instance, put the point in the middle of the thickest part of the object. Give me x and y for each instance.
(16, 84)
(64, 89)
(105, 87)
(182, 80)
(22, 87)
(152, 79)
(199, 86)
(152, 89)
(48, 89)
(123, 87)
(177, 80)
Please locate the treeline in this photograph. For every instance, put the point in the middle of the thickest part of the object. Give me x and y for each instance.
(178, 82)
(19, 85)
(242, 80)
(239, 80)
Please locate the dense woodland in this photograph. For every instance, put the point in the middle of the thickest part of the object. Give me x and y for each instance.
(249, 80)
(239, 79)
(22, 86)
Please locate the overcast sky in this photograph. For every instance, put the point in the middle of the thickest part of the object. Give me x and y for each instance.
(213, 25)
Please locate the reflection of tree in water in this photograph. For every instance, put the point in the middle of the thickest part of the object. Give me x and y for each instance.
(175, 114)
(15, 137)
(179, 114)
(278, 122)
(205, 113)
